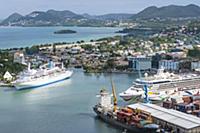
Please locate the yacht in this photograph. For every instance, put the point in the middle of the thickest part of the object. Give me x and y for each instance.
(133, 92)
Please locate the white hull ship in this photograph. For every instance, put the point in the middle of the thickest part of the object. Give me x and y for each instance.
(42, 77)
(161, 85)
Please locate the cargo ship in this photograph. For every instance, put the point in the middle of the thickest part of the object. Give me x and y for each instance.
(34, 78)
(134, 120)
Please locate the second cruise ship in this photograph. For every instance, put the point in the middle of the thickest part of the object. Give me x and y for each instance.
(161, 85)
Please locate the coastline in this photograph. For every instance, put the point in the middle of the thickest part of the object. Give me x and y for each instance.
(2, 26)
(28, 36)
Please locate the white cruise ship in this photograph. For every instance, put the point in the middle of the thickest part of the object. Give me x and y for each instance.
(160, 85)
(33, 78)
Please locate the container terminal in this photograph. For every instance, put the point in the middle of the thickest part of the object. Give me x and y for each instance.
(169, 119)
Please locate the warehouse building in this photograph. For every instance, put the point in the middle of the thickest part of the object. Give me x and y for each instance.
(169, 65)
(177, 121)
(140, 63)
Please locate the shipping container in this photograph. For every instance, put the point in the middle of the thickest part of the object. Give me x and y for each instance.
(167, 104)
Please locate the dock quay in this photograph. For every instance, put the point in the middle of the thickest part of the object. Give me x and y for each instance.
(186, 104)
(173, 120)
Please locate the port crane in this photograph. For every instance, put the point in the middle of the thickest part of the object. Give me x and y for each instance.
(114, 96)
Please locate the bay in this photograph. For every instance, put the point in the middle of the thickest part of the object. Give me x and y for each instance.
(11, 37)
(64, 107)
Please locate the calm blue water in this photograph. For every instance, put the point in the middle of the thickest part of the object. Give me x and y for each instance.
(65, 107)
(26, 36)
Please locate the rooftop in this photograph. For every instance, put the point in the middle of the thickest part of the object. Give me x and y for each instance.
(174, 117)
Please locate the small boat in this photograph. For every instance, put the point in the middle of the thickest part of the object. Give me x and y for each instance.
(132, 93)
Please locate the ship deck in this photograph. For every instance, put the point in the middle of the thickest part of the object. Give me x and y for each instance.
(185, 85)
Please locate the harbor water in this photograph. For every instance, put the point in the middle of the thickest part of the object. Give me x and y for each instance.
(64, 107)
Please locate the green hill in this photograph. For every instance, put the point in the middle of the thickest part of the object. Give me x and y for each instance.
(171, 11)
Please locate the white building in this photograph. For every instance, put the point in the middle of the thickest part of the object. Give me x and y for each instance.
(19, 58)
(7, 76)
(169, 65)
(76, 50)
(113, 43)
(140, 63)
(195, 65)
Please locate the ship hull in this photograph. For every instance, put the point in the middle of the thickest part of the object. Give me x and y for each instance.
(121, 125)
(129, 97)
(44, 81)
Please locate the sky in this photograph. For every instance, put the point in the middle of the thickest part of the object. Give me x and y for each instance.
(94, 7)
